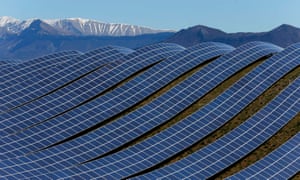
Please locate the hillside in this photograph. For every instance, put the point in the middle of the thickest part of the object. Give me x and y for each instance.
(32, 38)
(282, 35)
(35, 37)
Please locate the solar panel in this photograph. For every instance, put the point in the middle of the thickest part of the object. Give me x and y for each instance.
(5, 65)
(207, 161)
(56, 77)
(16, 77)
(228, 149)
(83, 89)
(102, 107)
(20, 70)
(282, 163)
(9, 62)
(127, 51)
(118, 132)
(160, 149)
(99, 142)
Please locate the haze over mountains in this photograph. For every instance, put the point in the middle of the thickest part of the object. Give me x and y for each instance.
(35, 37)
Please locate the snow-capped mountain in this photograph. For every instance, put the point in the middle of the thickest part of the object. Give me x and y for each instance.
(76, 26)
(10, 25)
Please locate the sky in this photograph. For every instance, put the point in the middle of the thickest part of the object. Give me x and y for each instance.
(227, 15)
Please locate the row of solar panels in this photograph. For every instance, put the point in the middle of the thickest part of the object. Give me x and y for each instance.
(52, 109)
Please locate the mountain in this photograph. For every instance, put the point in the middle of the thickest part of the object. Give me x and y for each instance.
(76, 27)
(283, 35)
(35, 37)
(40, 38)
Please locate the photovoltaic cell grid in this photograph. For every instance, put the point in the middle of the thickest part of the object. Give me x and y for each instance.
(16, 78)
(23, 73)
(152, 151)
(99, 144)
(5, 65)
(19, 161)
(239, 142)
(38, 65)
(103, 107)
(164, 145)
(55, 77)
(159, 110)
(83, 89)
(8, 63)
(213, 158)
(18, 65)
(120, 131)
(127, 51)
(87, 55)
(19, 72)
(282, 163)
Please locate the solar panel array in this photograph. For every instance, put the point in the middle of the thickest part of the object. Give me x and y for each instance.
(83, 89)
(55, 77)
(280, 164)
(239, 142)
(110, 103)
(257, 50)
(54, 129)
(13, 75)
(151, 155)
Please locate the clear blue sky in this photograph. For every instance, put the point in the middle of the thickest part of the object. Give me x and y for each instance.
(228, 15)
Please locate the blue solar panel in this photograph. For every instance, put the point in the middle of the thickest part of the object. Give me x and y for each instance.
(101, 144)
(160, 149)
(282, 163)
(83, 89)
(11, 77)
(127, 51)
(101, 108)
(14, 74)
(233, 146)
(5, 65)
(55, 77)
(202, 164)
(10, 62)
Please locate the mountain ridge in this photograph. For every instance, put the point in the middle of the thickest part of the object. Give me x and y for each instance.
(36, 37)
(282, 35)
(77, 27)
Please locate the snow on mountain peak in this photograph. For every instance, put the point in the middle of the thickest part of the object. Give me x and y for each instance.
(4, 20)
(77, 27)
(80, 26)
